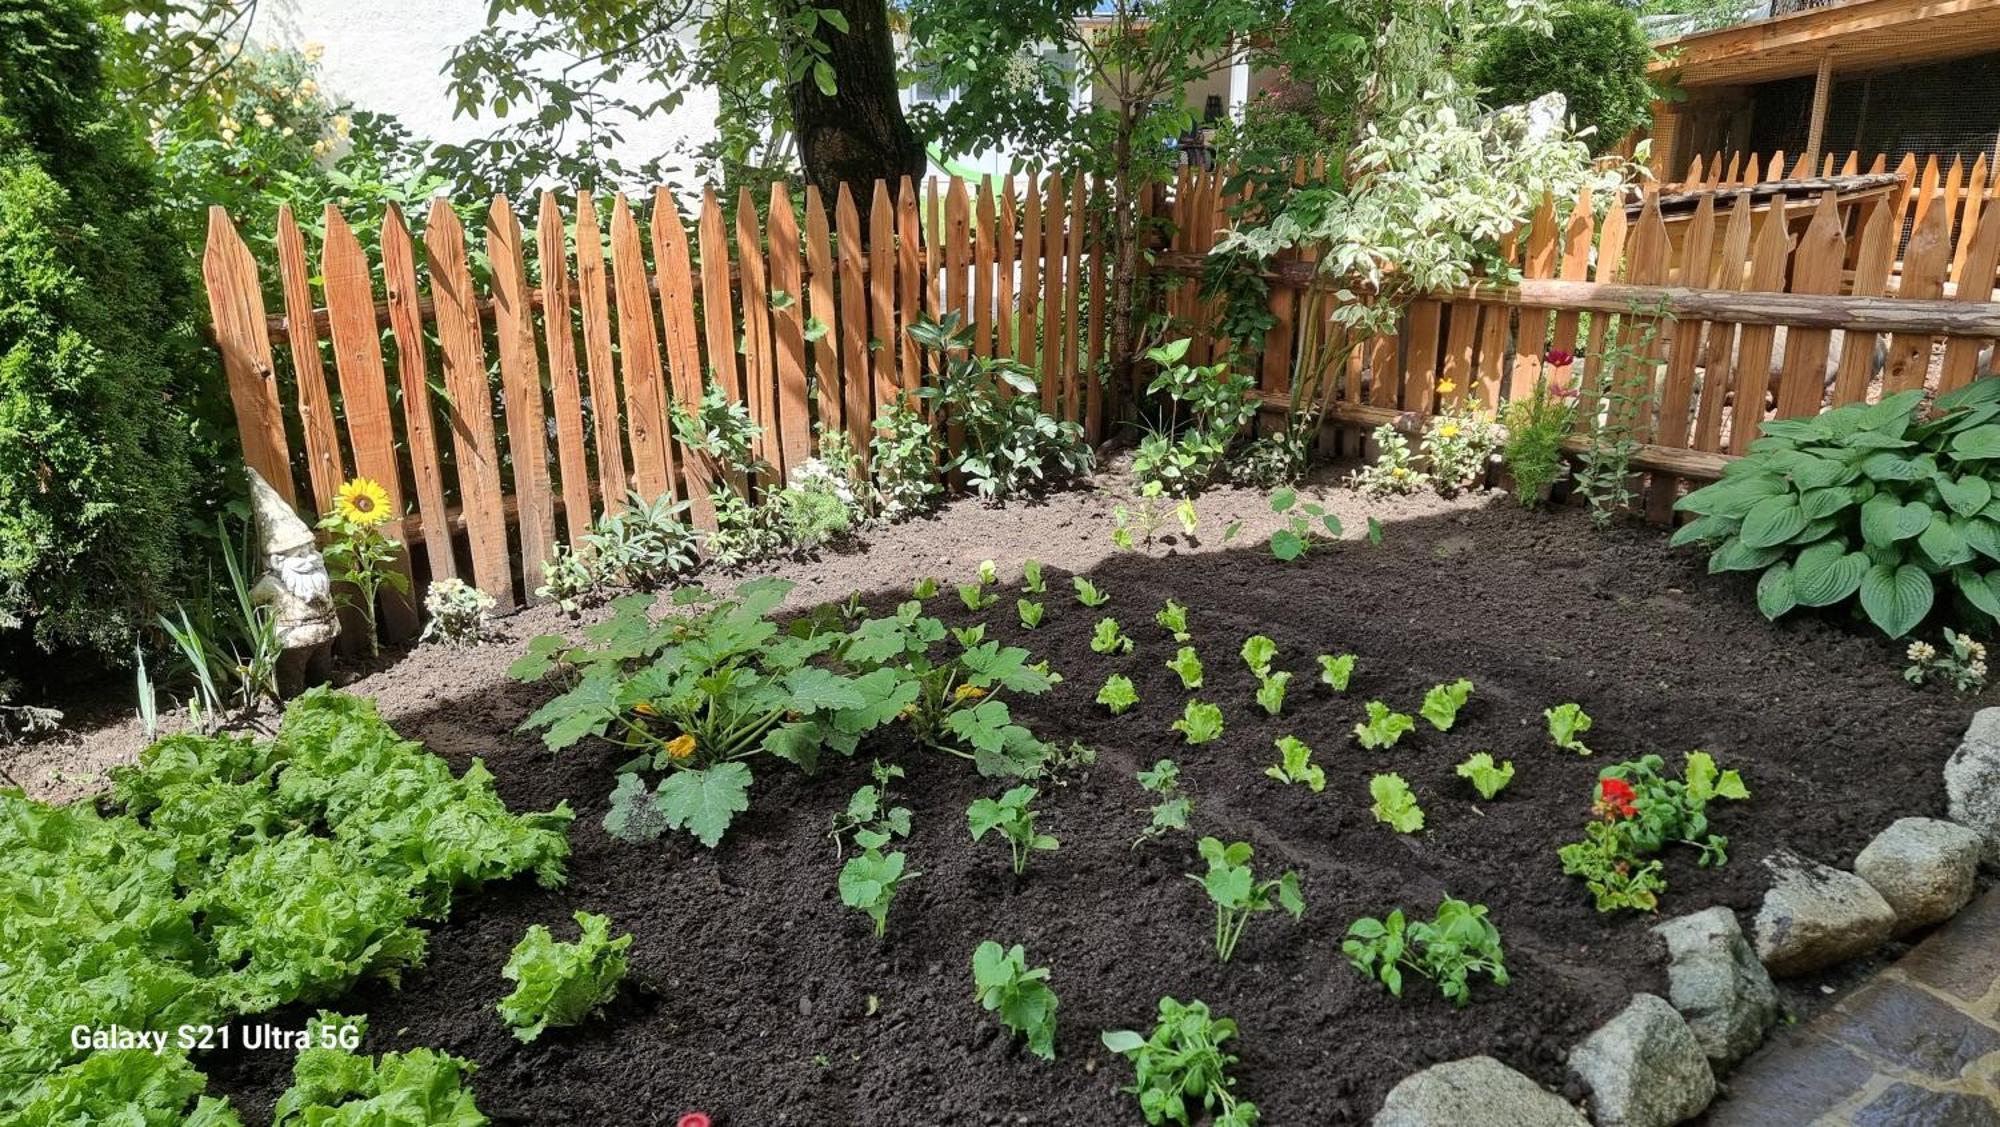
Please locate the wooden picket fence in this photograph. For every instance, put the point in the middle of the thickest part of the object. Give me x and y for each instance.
(1727, 304)
(800, 318)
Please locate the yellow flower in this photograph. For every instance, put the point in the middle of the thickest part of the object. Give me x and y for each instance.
(1449, 430)
(1446, 387)
(681, 746)
(969, 692)
(313, 51)
(363, 501)
(645, 708)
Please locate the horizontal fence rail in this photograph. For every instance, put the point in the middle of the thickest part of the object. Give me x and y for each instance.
(509, 385)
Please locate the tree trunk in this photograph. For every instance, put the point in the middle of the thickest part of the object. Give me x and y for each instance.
(858, 135)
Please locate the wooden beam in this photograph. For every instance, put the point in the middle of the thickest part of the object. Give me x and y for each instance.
(1822, 91)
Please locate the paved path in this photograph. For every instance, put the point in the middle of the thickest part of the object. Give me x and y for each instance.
(1919, 1045)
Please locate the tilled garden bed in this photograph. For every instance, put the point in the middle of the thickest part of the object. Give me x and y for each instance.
(757, 997)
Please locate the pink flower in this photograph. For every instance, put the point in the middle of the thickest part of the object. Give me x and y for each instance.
(1559, 357)
(693, 1119)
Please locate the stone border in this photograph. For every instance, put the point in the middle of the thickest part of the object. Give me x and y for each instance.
(1657, 1062)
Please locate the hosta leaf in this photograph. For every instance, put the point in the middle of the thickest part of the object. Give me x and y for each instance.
(704, 802)
(1774, 590)
(1772, 521)
(1892, 414)
(1875, 440)
(1889, 466)
(1964, 495)
(1734, 555)
(1705, 528)
(1818, 504)
(1817, 473)
(1942, 543)
(1885, 522)
(1813, 531)
(1827, 573)
(1985, 390)
(1977, 590)
(1733, 496)
(1980, 442)
(1983, 536)
(1896, 599)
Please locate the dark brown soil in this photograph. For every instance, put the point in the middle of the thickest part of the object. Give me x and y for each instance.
(761, 999)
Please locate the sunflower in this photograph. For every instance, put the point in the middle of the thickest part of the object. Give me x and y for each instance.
(363, 501)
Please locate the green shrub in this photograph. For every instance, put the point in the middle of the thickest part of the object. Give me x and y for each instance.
(1876, 501)
(1595, 55)
(103, 395)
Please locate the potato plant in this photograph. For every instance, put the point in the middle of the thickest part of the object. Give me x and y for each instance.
(1181, 1070)
(1238, 895)
(1004, 984)
(1448, 949)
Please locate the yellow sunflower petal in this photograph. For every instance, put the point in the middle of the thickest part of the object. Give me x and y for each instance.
(363, 501)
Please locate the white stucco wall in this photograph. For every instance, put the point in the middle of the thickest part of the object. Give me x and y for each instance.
(389, 55)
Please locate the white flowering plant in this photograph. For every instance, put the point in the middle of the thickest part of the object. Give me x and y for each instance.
(1961, 664)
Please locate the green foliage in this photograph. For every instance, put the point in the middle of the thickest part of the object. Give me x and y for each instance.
(1594, 54)
(1013, 815)
(1258, 652)
(1182, 1070)
(1087, 592)
(559, 984)
(902, 454)
(1118, 695)
(1335, 672)
(868, 882)
(1298, 536)
(1108, 639)
(648, 544)
(1205, 410)
(124, 1086)
(976, 596)
(1457, 444)
(333, 1086)
(1003, 983)
(1200, 722)
(1536, 425)
(1456, 942)
(1963, 664)
(1149, 516)
(1271, 691)
(872, 816)
(1173, 619)
(1188, 666)
(1031, 577)
(1567, 724)
(1171, 813)
(233, 876)
(460, 614)
(1395, 804)
(1030, 612)
(1486, 778)
(1010, 445)
(1383, 728)
(1443, 702)
(1296, 765)
(1637, 813)
(1394, 471)
(1877, 501)
(569, 580)
(1238, 896)
(107, 408)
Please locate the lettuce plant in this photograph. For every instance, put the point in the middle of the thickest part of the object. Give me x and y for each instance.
(1238, 896)
(1188, 666)
(1118, 695)
(1567, 724)
(1200, 722)
(332, 1084)
(925, 588)
(976, 596)
(1456, 942)
(1395, 804)
(1335, 672)
(1383, 728)
(1108, 639)
(1163, 780)
(1013, 815)
(1295, 765)
(1258, 653)
(562, 983)
(1182, 1073)
(1173, 619)
(1087, 592)
(1271, 691)
(1442, 702)
(1031, 577)
(1486, 778)
(1003, 983)
(1880, 501)
(1030, 612)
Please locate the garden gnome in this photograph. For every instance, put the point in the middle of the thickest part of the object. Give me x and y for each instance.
(295, 586)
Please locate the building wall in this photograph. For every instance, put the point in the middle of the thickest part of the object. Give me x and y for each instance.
(1950, 109)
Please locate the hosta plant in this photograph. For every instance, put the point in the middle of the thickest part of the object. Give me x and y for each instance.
(1455, 943)
(1013, 816)
(1442, 702)
(1883, 503)
(1170, 813)
(562, 983)
(1181, 1070)
(1486, 777)
(1336, 671)
(1004, 983)
(1383, 728)
(1108, 639)
(1394, 804)
(1238, 895)
(1187, 665)
(1200, 722)
(1639, 811)
(1295, 765)
(1118, 695)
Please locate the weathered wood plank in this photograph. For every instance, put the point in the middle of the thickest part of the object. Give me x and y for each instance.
(399, 282)
(558, 299)
(521, 383)
(236, 306)
(476, 455)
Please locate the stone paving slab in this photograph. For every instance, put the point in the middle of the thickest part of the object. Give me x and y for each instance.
(1919, 1045)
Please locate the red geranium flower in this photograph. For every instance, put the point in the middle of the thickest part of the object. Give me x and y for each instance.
(1617, 795)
